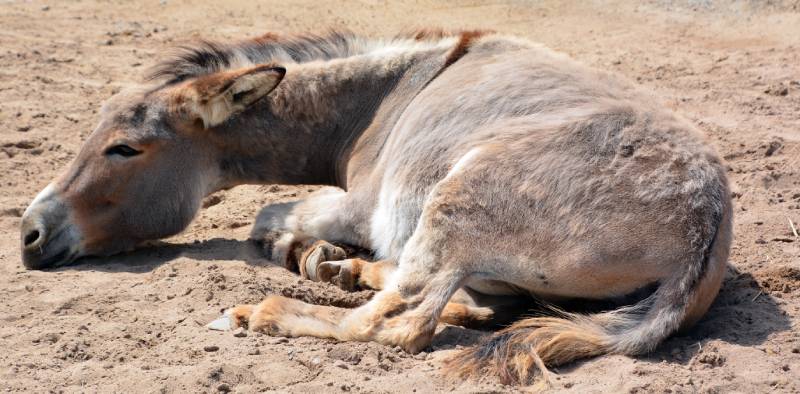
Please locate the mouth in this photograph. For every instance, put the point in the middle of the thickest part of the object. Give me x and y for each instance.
(61, 258)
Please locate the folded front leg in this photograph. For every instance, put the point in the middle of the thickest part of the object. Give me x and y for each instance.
(354, 273)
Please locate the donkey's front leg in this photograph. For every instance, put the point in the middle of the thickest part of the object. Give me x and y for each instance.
(404, 314)
(354, 273)
(291, 232)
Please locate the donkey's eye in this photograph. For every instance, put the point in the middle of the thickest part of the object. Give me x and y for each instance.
(122, 150)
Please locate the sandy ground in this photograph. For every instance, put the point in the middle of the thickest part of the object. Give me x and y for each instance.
(134, 322)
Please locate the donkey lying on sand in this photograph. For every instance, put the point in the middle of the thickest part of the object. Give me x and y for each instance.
(469, 161)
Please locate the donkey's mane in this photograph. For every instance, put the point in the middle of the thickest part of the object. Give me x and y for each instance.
(206, 57)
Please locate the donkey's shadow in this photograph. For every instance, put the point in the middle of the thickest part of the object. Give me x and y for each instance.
(744, 313)
(153, 255)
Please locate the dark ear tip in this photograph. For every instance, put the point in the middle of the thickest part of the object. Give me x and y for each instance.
(280, 70)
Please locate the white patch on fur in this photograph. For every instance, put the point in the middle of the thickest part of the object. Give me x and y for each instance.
(43, 195)
(391, 48)
(385, 226)
(463, 161)
(329, 224)
(389, 227)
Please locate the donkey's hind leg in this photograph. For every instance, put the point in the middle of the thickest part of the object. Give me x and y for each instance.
(404, 316)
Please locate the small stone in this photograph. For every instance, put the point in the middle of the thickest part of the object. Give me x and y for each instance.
(23, 129)
(212, 200)
(777, 90)
(785, 367)
(253, 352)
(772, 148)
(221, 324)
(46, 8)
(224, 388)
(240, 332)
(211, 348)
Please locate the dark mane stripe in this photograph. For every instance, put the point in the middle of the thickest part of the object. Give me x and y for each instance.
(206, 57)
(465, 41)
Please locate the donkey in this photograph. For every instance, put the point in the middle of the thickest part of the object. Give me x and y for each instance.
(476, 166)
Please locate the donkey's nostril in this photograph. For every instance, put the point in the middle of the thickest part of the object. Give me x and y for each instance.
(31, 237)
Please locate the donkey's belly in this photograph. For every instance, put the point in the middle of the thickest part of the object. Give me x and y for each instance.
(589, 281)
(493, 287)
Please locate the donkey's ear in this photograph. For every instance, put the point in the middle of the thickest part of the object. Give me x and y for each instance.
(216, 97)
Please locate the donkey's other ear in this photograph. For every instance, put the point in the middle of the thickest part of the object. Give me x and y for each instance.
(216, 97)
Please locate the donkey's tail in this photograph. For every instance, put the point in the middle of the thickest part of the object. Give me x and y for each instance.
(517, 353)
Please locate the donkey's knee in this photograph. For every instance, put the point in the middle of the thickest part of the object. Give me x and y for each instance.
(394, 320)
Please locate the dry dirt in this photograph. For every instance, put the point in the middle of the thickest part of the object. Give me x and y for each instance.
(135, 322)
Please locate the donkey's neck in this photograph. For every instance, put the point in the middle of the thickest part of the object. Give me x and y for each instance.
(316, 117)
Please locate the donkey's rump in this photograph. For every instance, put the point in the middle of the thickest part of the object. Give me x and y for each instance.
(591, 208)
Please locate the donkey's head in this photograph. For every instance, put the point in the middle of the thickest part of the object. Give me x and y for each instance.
(143, 172)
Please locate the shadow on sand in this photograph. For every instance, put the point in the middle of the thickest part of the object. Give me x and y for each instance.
(152, 256)
(743, 313)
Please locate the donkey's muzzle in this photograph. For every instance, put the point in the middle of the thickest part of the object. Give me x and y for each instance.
(48, 239)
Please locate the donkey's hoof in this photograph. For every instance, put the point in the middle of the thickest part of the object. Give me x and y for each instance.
(339, 273)
(238, 316)
(317, 254)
